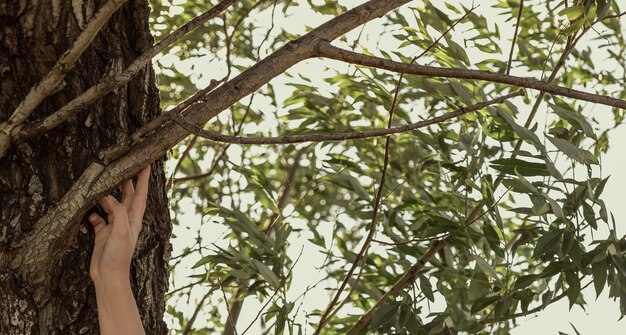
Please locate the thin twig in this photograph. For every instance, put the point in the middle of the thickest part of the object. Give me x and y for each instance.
(615, 16)
(196, 311)
(519, 19)
(220, 138)
(178, 289)
(230, 320)
(292, 173)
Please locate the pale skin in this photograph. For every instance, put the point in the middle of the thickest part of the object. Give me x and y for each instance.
(112, 254)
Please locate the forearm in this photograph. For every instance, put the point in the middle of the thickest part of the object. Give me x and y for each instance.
(117, 308)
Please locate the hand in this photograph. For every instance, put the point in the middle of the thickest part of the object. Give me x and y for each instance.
(115, 242)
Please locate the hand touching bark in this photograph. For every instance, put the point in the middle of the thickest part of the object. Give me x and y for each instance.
(115, 242)
(112, 254)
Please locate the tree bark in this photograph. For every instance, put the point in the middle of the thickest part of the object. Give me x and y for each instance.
(37, 173)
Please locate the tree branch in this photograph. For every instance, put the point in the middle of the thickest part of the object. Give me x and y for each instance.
(115, 152)
(328, 51)
(57, 228)
(220, 138)
(55, 76)
(111, 82)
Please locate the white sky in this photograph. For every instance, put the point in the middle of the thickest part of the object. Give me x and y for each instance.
(600, 315)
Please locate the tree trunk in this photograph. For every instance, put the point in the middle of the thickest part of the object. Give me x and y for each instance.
(36, 174)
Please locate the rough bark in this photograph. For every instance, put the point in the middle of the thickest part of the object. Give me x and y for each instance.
(37, 173)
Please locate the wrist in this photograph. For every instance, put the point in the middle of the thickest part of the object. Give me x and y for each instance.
(112, 282)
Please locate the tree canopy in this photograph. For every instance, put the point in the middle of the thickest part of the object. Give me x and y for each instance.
(455, 153)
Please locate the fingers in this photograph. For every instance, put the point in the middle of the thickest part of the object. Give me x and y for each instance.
(97, 222)
(128, 190)
(116, 214)
(129, 212)
(138, 205)
(142, 182)
(141, 192)
(107, 204)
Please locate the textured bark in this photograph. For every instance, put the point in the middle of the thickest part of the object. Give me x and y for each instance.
(36, 174)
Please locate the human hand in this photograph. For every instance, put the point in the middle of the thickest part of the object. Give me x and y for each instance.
(115, 242)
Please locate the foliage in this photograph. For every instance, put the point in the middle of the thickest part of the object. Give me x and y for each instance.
(514, 189)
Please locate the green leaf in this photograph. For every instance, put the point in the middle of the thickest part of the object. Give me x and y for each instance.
(239, 274)
(589, 215)
(266, 273)
(486, 267)
(574, 27)
(546, 242)
(384, 314)
(493, 239)
(600, 188)
(575, 119)
(202, 261)
(553, 170)
(573, 152)
(524, 168)
(572, 12)
(599, 271)
(556, 209)
(484, 302)
(241, 222)
(522, 132)
(524, 281)
(575, 330)
(426, 288)
(603, 8)
(573, 290)
(619, 263)
(603, 211)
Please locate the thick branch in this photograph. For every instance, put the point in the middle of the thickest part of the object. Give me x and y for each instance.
(328, 51)
(220, 138)
(59, 225)
(53, 79)
(404, 281)
(114, 81)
